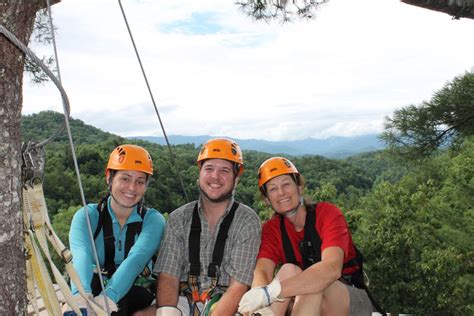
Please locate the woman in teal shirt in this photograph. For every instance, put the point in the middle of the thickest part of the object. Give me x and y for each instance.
(132, 235)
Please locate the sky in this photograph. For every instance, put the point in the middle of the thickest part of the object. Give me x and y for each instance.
(215, 71)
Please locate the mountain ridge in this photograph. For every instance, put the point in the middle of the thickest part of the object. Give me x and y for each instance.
(332, 147)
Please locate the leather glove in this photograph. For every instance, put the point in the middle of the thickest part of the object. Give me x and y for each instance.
(260, 297)
(101, 299)
(168, 311)
(81, 303)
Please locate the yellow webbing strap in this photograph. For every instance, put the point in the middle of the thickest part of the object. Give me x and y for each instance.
(30, 285)
(42, 279)
(36, 214)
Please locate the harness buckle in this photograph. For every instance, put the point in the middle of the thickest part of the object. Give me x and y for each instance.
(196, 296)
(66, 255)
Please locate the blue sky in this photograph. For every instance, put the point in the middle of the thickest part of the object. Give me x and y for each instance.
(215, 71)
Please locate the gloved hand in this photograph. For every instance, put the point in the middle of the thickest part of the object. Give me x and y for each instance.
(101, 299)
(168, 311)
(81, 303)
(260, 297)
(266, 311)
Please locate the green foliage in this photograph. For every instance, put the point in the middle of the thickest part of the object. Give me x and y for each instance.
(417, 131)
(61, 223)
(416, 236)
(282, 11)
(413, 222)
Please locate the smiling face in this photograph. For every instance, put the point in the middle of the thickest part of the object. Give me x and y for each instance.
(128, 187)
(283, 193)
(216, 179)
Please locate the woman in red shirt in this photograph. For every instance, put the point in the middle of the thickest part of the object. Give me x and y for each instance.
(312, 244)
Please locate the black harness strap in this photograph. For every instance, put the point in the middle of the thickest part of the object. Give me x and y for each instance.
(218, 252)
(310, 246)
(194, 243)
(287, 247)
(105, 224)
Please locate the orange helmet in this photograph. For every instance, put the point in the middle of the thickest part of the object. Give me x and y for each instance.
(222, 148)
(274, 167)
(130, 157)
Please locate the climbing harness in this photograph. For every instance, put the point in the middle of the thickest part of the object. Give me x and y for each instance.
(105, 224)
(310, 249)
(191, 289)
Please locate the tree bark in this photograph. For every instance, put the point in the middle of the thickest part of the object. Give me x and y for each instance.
(456, 8)
(18, 17)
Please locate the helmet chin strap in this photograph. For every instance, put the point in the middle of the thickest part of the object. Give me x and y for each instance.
(293, 211)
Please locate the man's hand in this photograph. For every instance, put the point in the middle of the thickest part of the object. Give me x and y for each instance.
(260, 297)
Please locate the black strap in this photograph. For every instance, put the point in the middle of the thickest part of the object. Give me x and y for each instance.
(105, 223)
(134, 229)
(310, 246)
(218, 252)
(287, 247)
(194, 243)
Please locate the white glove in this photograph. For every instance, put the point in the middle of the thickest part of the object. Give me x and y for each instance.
(101, 299)
(168, 311)
(266, 311)
(259, 297)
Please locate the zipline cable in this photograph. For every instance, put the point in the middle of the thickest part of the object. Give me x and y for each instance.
(66, 108)
(153, 101)
(89, 226)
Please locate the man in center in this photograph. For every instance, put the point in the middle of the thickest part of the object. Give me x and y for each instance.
(207, 256)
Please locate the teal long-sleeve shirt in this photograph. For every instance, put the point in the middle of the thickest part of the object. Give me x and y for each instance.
(145, 246)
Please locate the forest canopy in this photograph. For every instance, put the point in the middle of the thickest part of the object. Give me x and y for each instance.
(412, 220)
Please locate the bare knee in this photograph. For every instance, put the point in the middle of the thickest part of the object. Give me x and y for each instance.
(288, 270)
(336, 300)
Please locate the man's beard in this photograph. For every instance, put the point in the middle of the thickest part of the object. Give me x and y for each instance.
(219, 199)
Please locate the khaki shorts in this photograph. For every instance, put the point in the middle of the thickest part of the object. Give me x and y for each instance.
(360, 304)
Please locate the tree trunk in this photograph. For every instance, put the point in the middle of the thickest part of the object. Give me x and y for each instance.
(456, 8)
(18, 17)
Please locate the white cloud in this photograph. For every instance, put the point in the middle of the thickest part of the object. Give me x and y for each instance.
(215, 71)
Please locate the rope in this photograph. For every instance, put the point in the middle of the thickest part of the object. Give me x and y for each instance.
(51, 27)
(66, 108)
(38, 61)
(153, 99)
(89, 226)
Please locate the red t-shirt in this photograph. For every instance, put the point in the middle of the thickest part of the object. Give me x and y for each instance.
(330, 225)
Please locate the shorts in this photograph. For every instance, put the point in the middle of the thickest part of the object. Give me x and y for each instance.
(360, 304)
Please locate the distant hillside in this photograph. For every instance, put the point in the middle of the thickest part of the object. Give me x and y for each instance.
(40, 126)
(333, 147)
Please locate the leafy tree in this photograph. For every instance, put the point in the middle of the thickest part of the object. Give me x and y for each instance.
(417, 131)
(281, 10)
(457, 9)
(416, 236)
